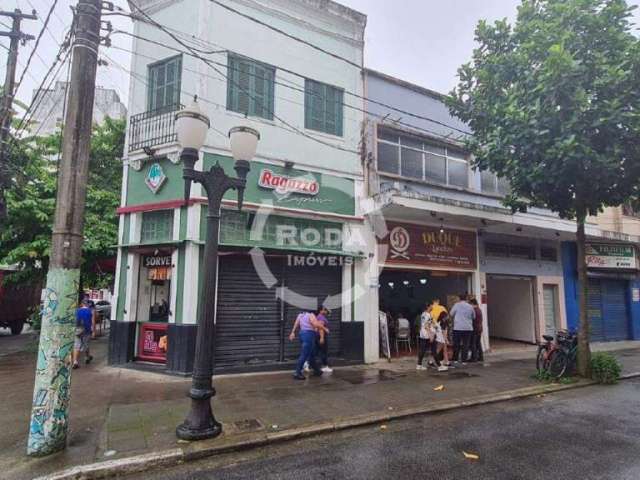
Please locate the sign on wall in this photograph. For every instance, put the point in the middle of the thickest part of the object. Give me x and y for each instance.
(429, 246)
(600, 255)
(156, 261)
(283, 184)
(155, 177)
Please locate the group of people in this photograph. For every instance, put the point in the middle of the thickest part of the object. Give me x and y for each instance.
(314, 340)
(461, 328)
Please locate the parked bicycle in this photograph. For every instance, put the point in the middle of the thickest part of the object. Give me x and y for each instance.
(557, 356)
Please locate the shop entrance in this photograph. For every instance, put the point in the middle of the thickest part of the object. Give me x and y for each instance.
(404, 292)
(510, 308)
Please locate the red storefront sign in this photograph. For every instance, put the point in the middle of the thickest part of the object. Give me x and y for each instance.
(152, 344)
(408, 244)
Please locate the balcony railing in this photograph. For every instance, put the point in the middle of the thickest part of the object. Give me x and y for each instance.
(155, 127)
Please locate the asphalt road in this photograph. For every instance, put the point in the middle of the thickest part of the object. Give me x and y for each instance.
(589, 433)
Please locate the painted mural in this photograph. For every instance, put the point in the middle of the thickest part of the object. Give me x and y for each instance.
(49, 414)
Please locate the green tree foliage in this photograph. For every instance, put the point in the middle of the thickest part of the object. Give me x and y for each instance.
(553, 102)
(26, 238)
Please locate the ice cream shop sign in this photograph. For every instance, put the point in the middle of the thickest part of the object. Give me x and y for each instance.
(283, 184)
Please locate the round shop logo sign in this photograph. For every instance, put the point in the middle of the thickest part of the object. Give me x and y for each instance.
(399, 240)
(155, 178)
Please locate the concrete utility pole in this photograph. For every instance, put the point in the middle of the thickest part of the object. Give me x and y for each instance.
(49, 414)
(6, 111)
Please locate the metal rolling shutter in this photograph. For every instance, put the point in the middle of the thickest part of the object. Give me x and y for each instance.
(594, 311)
(616, 319)
(248, 324)
(317, 283)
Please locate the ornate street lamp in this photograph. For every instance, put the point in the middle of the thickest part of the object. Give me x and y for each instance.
(192, 126)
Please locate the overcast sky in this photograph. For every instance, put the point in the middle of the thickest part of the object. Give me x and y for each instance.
(421, 41)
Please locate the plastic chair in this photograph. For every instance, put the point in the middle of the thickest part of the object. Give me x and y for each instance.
(404, 334)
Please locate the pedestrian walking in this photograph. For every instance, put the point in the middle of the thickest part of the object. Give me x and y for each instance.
(309, 327)
(85, 322)
(323, 339)
(476, 341)
(462, 314)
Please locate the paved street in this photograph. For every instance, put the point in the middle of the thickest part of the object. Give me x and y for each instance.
(591, 433)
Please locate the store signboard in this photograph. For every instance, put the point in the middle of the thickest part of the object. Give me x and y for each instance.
(429, 246)
(601, 255)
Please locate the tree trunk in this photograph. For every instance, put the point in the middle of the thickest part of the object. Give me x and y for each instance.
(584, 352)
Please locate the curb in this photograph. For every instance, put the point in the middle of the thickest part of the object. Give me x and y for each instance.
(196, 451)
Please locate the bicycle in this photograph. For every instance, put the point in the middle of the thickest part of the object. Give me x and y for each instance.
(563, 356)
(544, 350)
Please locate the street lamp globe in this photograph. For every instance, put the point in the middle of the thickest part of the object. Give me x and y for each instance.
(244, 142)
(192, 126)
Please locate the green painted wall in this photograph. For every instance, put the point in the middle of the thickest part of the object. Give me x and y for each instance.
(336, 194)
(126, 228)
(173, 188)
(184, 215)
(122, 286)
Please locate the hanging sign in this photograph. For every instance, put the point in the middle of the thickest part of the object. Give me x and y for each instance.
(610, 256)
(429, 246)
(155, 177)
(283, 184)
(154, 261)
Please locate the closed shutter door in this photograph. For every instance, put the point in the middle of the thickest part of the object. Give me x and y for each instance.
(315, 283)
(616, 318)
(248, 319)
(594, 310)
(551, 322)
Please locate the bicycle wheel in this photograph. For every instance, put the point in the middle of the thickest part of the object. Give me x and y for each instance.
(558, 362)
(541, 358)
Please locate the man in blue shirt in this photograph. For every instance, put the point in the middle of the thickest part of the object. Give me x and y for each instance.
(84, 327)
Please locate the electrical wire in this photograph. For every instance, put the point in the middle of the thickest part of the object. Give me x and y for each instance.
(35, 46)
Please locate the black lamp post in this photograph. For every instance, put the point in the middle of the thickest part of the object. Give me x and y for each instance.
(192, 126)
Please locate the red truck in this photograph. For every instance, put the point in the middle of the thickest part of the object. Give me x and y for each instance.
(17, 302)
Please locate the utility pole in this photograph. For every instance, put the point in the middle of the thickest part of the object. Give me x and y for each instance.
(50, 410)
(6, 110)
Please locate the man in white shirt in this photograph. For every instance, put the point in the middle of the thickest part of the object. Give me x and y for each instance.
(463, 315)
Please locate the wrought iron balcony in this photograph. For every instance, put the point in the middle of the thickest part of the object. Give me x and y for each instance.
(152, 128)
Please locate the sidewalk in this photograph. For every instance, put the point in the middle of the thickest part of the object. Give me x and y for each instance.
(119, 413)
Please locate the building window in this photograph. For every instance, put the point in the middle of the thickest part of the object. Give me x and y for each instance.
(250, 87)
(549, 254)
(323, 107)
(164, 84)
(491, 183)
(421, 159)
(157, 226)
(503, 250)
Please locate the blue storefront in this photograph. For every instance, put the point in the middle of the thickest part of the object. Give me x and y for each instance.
(614, 290)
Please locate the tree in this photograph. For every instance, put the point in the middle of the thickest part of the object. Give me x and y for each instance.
(553, 102)
(26, 238)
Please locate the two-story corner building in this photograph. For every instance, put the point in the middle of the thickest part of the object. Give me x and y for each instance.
(296, 244)
(447, 231)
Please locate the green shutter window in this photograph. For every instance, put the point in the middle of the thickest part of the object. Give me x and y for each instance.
(323, 107)
(250, 87)
(157, 226)
(164, 84)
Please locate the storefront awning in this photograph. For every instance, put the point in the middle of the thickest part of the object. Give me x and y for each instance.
(299, 249)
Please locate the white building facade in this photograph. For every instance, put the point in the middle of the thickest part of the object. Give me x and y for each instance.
(299, 241)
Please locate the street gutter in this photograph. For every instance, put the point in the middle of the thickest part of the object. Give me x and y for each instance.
(199, 450)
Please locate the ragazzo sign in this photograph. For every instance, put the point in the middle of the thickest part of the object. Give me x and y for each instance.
(610, 256)
(157, 261)
(283, 184)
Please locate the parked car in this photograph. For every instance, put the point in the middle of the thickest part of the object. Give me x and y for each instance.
(103, 308)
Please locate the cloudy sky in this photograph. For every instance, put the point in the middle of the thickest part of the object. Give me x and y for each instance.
(422, 41)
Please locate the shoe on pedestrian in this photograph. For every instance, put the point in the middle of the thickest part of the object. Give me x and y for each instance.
(327, 369)
(446, 364)
(443, 368)
(306, 367)
(88, 360)
(75, 366)
(420, 367)
(298, 376)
